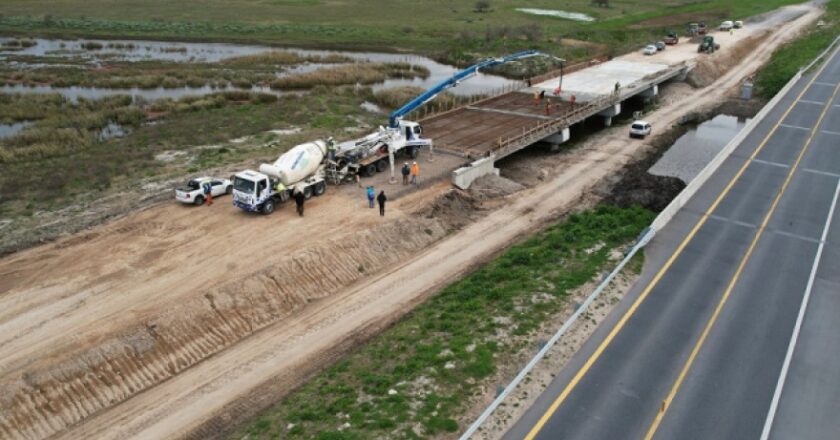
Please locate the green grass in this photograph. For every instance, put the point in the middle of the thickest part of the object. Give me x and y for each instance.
(451, 30)
(787, 60)
(422, 371)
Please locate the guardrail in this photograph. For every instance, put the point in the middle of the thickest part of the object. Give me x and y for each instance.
(688, 192)
(641, 242)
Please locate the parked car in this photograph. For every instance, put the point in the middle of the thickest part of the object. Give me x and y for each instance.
(726, 25)
(639, 129)
(193, 191)
(660, 45)
(650, 49)
(738, 24)
(672, 38)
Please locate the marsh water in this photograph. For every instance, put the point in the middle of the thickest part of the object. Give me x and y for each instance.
(9, 130)
(697, 147)
(95, 52)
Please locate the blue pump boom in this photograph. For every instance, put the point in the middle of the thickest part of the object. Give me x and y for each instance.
(428, 95)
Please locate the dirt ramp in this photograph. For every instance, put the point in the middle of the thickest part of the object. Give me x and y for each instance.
(713, 66)
(38, 404)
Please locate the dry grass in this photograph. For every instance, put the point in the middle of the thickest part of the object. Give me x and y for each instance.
(351, 74)
(285, 58)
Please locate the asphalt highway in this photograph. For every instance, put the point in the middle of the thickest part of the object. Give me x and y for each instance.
(733, 331)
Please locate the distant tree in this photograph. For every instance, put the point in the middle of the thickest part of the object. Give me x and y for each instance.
(601, 3)
(482, 6)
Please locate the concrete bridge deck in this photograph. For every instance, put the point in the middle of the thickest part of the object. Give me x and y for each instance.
(501, 125)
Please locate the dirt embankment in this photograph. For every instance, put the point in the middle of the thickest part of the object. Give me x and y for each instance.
(77, 383)
(712, 66)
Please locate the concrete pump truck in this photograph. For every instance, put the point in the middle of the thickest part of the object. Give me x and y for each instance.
(307, 167)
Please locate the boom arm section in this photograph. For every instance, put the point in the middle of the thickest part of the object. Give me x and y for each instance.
(430, 94)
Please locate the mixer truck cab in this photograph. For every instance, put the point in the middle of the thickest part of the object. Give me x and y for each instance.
(254, 192)
(301, 168)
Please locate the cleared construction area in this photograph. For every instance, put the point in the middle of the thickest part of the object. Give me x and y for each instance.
(170, 323)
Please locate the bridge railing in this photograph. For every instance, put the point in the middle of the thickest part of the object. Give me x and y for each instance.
(547, 128)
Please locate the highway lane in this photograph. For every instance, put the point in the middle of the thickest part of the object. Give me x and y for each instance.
(707, 329)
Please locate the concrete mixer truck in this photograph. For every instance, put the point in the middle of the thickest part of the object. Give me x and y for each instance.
(301, 168)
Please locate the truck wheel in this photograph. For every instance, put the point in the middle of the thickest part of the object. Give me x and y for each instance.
(268, 207)
(320, 188)
(199, 200)
(381, 165)
(307, 193)
(413, 152)
(369, 170)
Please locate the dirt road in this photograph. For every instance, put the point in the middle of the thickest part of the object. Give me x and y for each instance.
(169, 323)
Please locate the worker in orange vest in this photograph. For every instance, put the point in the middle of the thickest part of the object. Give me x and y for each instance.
(415, 171)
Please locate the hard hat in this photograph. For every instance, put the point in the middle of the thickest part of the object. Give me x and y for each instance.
(415, 163)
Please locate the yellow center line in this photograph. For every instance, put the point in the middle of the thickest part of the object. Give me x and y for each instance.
(620, 324)
(731, 286)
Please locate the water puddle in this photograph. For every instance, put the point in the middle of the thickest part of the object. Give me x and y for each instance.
(9, 130)
(371, 107)
(696, 148)
(97, 52)
(576, 16)
(112, 130)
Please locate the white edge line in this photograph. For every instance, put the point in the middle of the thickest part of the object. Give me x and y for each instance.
(648, 235)
(774, 404)
(644, 239)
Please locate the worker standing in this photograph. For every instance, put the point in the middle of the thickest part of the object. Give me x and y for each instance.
(331, 148)
(415, 171)
(381, 199)
(542, 95)
(572, 100)
(536, 98)
(617, 86)
(548, 106)
(406, 171)
(300, 198)
(208, 193)
(371, 195)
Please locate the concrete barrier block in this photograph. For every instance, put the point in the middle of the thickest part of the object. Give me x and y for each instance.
(464, 177)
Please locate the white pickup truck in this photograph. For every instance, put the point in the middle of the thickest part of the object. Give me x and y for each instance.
(193, 191)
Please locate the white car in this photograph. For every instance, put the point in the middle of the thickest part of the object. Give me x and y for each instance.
(738, 24)
(650, 49)
(726, 25)
(639, 129)
(193, 191)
